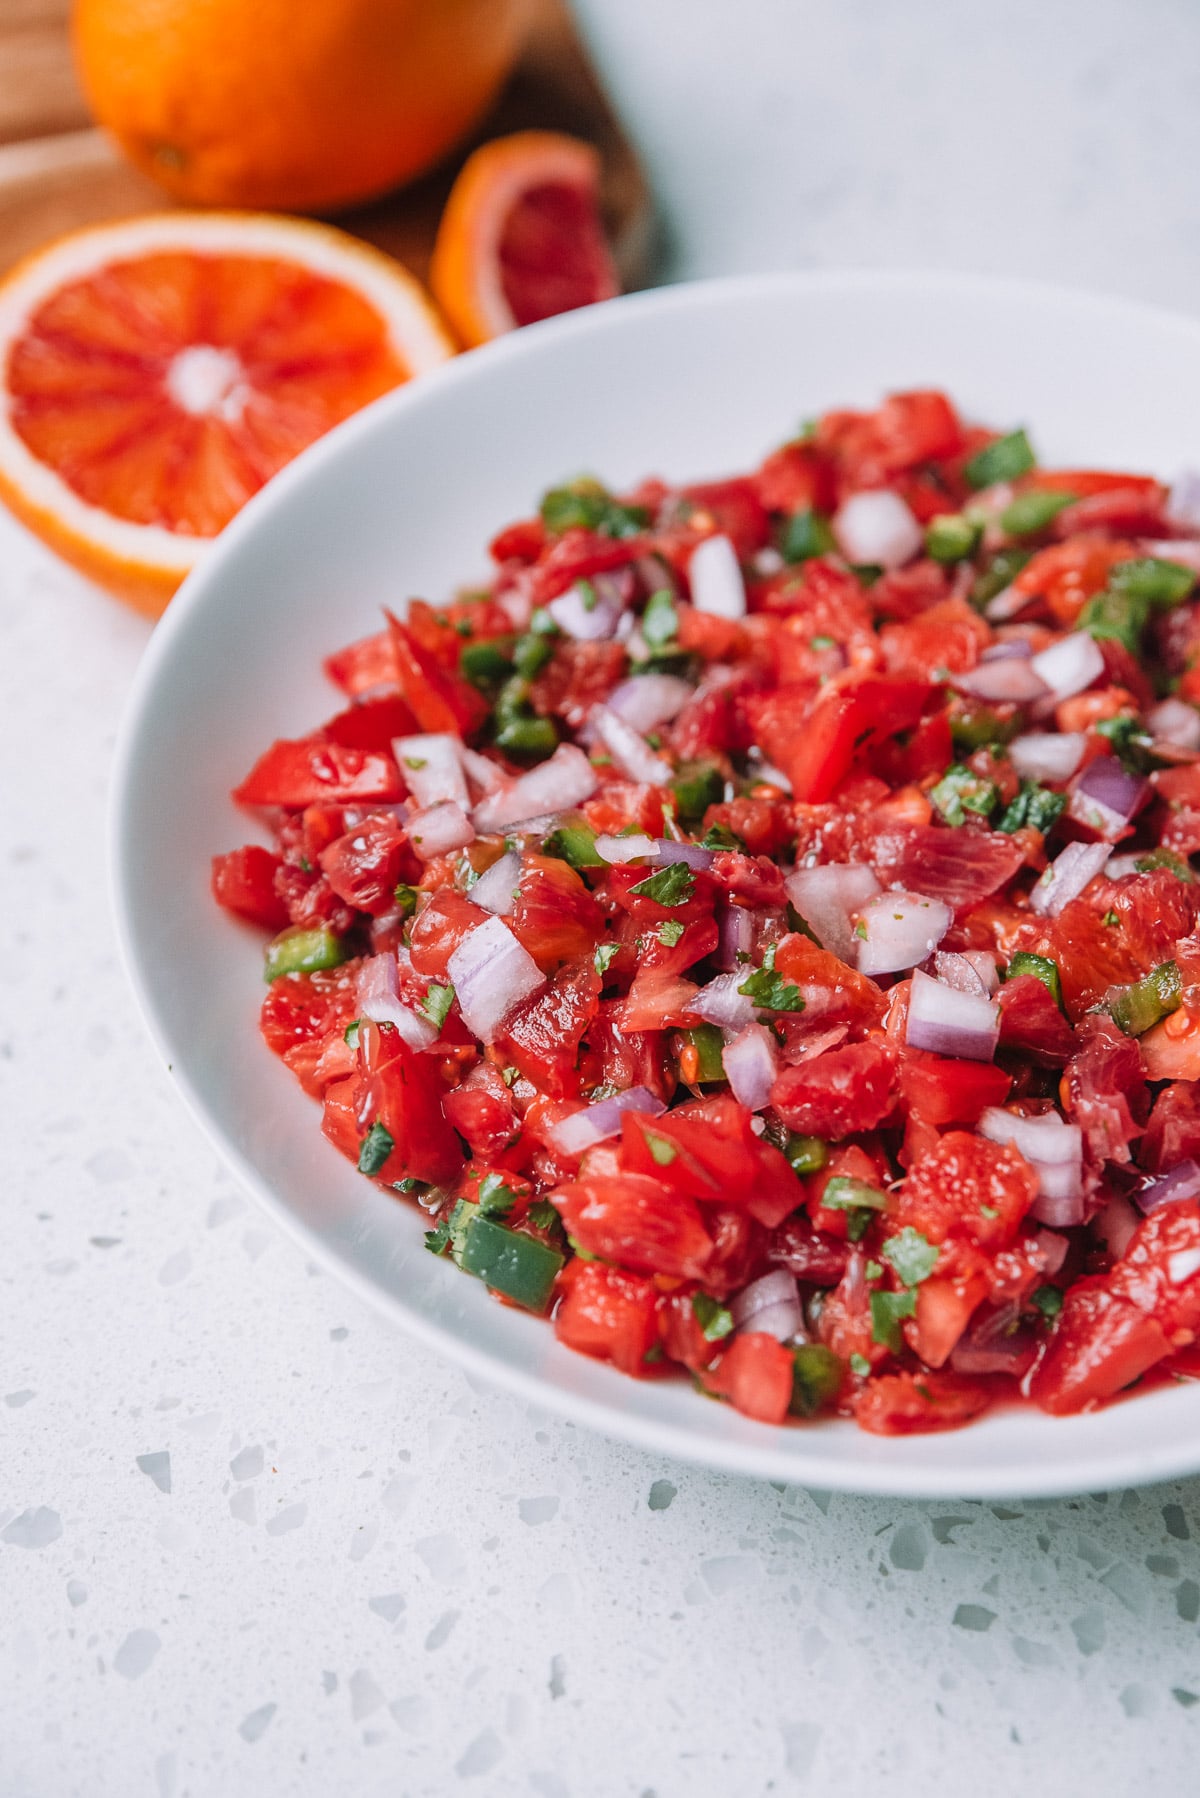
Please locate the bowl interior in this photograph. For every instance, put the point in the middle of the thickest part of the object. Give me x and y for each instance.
(687, 383)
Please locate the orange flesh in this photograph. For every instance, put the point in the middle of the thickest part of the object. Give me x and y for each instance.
(89, 393)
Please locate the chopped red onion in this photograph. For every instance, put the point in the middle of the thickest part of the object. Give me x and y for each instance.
(1054, 1150)
(751, 1065)
(439, 830)
(484, 775)
(784, 1322)
(1176, 722)
(715, 579)
(737, 937)
(1106, 796)
(1047, 754)
(1183, 506)
(1067, 876)
(1006, 648)
(1069, 665)
(630, 752)
(1053, 1249)
(554, 786)
(1115, 1224)
(967, 973)
(1183, 1182)
(432, 768)
(994, 1342)
(775, 777)
(694, 854)
(596, 1123)
(496, 888)
(625, 849)
(1006, 604)
(720, 1002)
(828, 897)
(768, 562)
(648, 700)
(877, 528)
(491, 973)
(947, 1022)
(377, 996)
(589, 611)
(1120, 867)
(896, 931)
(1009, 680)
(770, 1292)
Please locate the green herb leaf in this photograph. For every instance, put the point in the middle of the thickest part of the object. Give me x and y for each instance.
(960, 791)
(406, 899)
(888, 1309)
(771, 992)
(1033, 806)
(588, 506)
(661, 1151)
(845, 1193)
(1049, 1301)
(670, 933)
(1004, 460)
(805, 535)
(541, 1215)
(603, 958)
(437, 1002)
(374, 1150)
(1165, 858)
(671, 885)
(714, 1319)
(495, 1199)
(816, 1378)
(912, 1255)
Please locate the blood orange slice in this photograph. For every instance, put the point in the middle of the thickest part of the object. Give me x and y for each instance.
(158, 371)
(521, 238)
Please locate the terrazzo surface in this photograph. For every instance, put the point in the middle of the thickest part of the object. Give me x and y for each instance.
(253, 1540)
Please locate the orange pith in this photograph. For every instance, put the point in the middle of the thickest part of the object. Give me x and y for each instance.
(94, 398)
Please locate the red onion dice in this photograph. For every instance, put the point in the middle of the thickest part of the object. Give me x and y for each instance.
(897, 930)
(1070, 665)
(877, 528)
(1106, 796)
(694, 854)
(715, 579)
(1010, 680)
(1054, 1150)
(1183, 1182)
(947, 1022)
(439, 830)
(736, 939)
(751, 1064)
(432, 768)
(496, 888)
(720, 1002)
(995, 1341)
(630, 752)
(566, 780)
(624, 849)
(770, 1304)
(492, 972)
(974, 971)
(1067, 876)
(589, 610)
(377, 996)
(649, 700)
(827, 898)
(581, 1131)
(1047, 755)
(1176, 722)
(1115, 1224)
(484, 775)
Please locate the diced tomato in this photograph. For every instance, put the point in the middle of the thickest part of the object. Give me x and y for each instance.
(556, 917)
(542, 1036)
(968, 1187)
(832, 991)
(520, 542)
(365, 865)
(243, 881)
(608, 1314)
(1160, 1269)
(635, 1221)
(843, 1090)
(963, 867)
(1031, 1022)
(1135, 509)
(440, 928)
(682, 1338)
(755, 1375)
(341, 1114)
(614, 1058)
(306, 1008)
(1104, 1089)
(944, 1308)
(737, 511)
(909, 1404)
(482, 1112)
(908, 429)
(438, 699)
(1101, 1343)
(942, 1090)
(371, 723)
(578, 555)
(810, 1254)
(406, 1096)
(949, 635)
(577, 677)
(363, 666)
(795, 479)
(1068, 574)
(764, 825)
(845, 720)
(310, 770)
(1173, 1133)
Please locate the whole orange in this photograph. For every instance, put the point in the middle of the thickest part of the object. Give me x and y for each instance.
(305, 105)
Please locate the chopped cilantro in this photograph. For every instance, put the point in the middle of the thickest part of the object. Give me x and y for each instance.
(374, 1150)
(771, 992)
(603, 958)
(670, 932)
(351, 1032)
(845, 1193)
(860, 1365)
(1034, 807)
(719, 836)
(660, 620)
(661, 1151)
(541, 1215)
(1165, 858)
(1049, 1301)
(805, 534)
(960, 791)
(437, 1002)
(671, 885)
(495, 1199)
(888, 1309)
(874, 1270)
(1002, 460)
(715, 1321)
(406, 899)
(912, 1255)
(588, 506)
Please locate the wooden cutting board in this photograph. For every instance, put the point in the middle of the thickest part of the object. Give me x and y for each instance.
(57, 172)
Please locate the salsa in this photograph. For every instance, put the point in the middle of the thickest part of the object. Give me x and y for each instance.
(758, 926)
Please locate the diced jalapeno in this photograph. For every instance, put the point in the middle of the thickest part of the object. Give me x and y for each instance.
(300, 951)
(845, 1193)
(576, 844)
(707, 1042)
(816, 1378)
(374, 1150)
(1152, 578)
(586, 505)
(1165, 858)
(521, 1267)
(1135, 1009)
(951, 538)
(1119, 613)
(973, 725)
(1030, 513)
(531, 654)
(531, 736)
(1000, 573)
(1004, 460)
(806, 534)
(486, 663)
(695, 789)
(807, 1154)
(714, 1318)
(1042, 968)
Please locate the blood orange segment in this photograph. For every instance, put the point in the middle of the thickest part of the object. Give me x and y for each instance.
(158, 372)
(521, 238)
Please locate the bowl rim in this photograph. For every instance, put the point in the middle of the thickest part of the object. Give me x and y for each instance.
(759, 1452)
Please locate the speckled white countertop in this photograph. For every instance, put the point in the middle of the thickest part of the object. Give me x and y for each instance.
(252, 1540)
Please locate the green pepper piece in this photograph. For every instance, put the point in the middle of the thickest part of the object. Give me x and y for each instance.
(1159, 582)
(576, 844)
(1002, 460)
(1118, 613)
(952, 538)
(300, 951)
(1165, 858)
(521, 1267)
(1041, 967)
(696, 787)
(660, 619)
(816, 1378)
(1135, 1009)
(960, 791)
(708, 1043)
(1000, 573)
(805, 535)
(531, 654)
(587, 505)
(486, 663)
(807, 1154)
(973, 725)
(531, 736)
(1030, 513)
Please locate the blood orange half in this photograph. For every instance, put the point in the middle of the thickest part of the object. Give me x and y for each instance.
(157, 372)
(521, 238)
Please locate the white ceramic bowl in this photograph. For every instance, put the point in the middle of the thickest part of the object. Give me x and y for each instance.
(686, 382)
